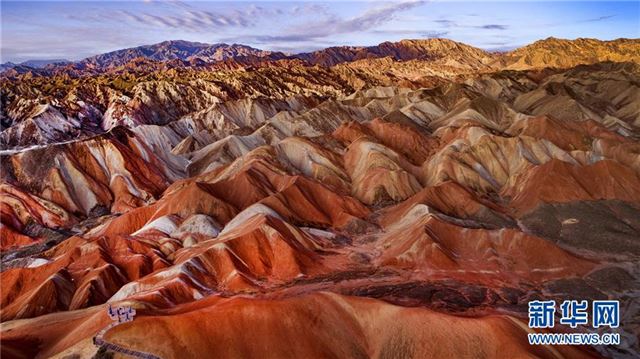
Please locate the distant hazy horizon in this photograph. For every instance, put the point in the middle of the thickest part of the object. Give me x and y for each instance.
(74, 30)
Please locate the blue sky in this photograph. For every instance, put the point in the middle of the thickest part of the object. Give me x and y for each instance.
(77, 29)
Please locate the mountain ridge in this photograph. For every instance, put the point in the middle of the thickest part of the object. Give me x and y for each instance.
(176, 49)
(574, 52)
(403, 50)
(554, 52)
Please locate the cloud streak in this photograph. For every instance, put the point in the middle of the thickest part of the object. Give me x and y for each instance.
(371, 18)
(195, 20)
(332, 25)
(452, 24)
(599, 18)
(585, 21)
(184, 16)
(192, 19)
(492, 27)
(434, 34)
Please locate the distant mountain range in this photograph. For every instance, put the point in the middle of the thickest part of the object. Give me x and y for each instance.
(561, 53)
(548, 52)
(181, 50)
(426, 49)
(36, 64)
(164, 51)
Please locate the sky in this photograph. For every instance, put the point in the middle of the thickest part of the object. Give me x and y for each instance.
(76, 29)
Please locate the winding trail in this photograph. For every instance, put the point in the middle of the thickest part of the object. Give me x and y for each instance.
(99, 341)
